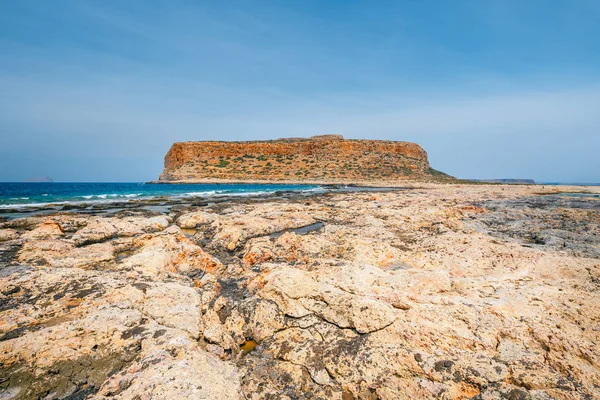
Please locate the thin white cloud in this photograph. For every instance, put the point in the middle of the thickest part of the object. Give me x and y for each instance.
(197, 74)
(185, 105)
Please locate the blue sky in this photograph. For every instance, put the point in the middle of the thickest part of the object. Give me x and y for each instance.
(99, 90)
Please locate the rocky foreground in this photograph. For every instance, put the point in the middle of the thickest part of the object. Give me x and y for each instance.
(447, 292)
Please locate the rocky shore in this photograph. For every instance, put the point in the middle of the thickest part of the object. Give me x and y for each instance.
(440, 291)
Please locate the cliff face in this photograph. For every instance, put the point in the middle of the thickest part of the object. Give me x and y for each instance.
(324, 158)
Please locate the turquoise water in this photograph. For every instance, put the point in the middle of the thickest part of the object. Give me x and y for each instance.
(38, 194)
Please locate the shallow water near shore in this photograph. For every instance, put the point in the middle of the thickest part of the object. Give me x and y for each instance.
(19, 200)
(36, 194)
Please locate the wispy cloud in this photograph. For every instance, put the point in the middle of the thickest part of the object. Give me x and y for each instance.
(117, 116)
(122, 81)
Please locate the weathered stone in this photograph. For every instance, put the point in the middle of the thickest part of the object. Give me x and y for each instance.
(173, 366)
(95, 232)
(47, 229)
(170, 251)
(8, 234)
(102, 229)
(299, 295)
(63, 254)
(194, 219)
(438, 292)
(233, 231)
(169, 304)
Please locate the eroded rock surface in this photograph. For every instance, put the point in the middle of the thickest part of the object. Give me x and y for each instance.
(448, 292)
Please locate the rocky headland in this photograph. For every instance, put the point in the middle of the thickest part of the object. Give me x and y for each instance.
(440, 291)
(322, 159)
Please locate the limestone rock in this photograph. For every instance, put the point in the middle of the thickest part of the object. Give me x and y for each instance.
(8, 234)
(50, 360)
(173, 366)
(96, 231)
(170, 251)
(446, 292)
(194, 219)
(233, 231)
(47, 229)
(169, 304)
(299, 295)
(62, 254)
(102, 229)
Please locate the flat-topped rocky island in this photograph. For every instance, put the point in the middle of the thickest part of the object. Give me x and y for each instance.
(322, 159)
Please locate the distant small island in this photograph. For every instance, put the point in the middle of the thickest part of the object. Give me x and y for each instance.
(39, 179)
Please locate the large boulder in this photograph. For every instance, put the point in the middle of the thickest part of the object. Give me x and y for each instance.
(298, 294)
(170, 251)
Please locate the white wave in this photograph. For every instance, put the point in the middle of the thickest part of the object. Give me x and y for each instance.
(220, 193)
(228, 193)
(89, 200)
(30, 205)
(246, 194)
(317, 189)
(104, 196)
(111, 198)
(206, 193)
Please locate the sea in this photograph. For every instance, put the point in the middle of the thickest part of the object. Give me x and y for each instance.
(23, 195)
(31, 195)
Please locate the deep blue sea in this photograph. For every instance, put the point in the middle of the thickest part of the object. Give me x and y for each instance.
(36, 194)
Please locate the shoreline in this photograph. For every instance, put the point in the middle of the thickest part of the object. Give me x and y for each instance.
(98, 206)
